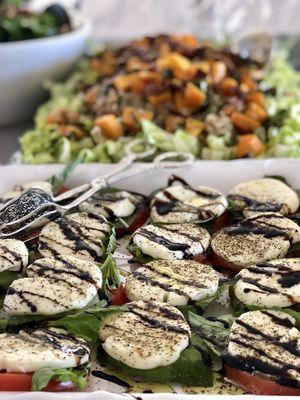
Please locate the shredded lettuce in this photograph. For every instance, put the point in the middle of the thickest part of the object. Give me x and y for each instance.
(284, 109)
(162, 140)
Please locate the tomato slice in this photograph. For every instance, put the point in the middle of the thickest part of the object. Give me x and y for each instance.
(63, 189)
(118, 296)
(218, 261)
(221, 222)
(19, 382)
(258, 385)
(200, 258)
(140, 219)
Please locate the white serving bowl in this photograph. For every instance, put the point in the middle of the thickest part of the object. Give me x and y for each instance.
(26, 64)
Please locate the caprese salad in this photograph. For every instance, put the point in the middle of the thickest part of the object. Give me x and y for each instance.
(211, 288)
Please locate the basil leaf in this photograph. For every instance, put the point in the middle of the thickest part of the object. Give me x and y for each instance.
(57, 181)
(43, 376)
(190, 369)
(210, 335)
(241, 308)
(138, 255)
(86, 323)
(215, 330)
(199, 306)
(112, 242)
(7, 277)
(279, 178)
(111, 277)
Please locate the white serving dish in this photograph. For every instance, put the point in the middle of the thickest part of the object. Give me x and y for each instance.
(221, 175)
(26, 64)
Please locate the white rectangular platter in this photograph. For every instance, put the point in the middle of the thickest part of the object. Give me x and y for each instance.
(221, 175)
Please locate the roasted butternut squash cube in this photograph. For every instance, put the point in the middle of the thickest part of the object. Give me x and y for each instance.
(181, 66)
(194, 96)
(111, 127)
(228, 86)
(173, 122)
(194, 126)
(157, 99)
(131, 116)
(243, 122)
(256, 97)
(257, 112)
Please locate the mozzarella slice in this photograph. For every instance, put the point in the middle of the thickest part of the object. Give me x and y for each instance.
(174, 282)
(18, 189)
(82, 235)
(150, 335)
(119, 204)
(265, 194)
(27, 351)
(13, 255)
(171, 242)
(272, 284)
(54, 285)
(267, 342)
(256, 239)
(178, 204)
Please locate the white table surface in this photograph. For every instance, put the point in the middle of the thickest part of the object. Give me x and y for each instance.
(9, 140)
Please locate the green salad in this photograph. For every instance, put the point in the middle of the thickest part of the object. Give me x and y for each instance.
(19, 23)
(174, 93)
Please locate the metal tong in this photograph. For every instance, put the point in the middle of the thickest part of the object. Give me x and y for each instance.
(35, 207)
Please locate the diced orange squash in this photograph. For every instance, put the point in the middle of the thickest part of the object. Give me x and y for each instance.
(181, 104)
(187, 40)
(157, 99)
(91, 95)
(173, 122)
(257, 112)
(181, 66)
(72, 130)
(131, 116)
(104, 66)
(130, 82)
(228, 86)
(247, 83)
(256, 97)
(136, 64)
(243, 122)
(110, 126)
(217, 72)
(194, 126)
(149, 77)
(194, 96)
(62, 116)
(202, 66)
(250, 145)
(229, 109)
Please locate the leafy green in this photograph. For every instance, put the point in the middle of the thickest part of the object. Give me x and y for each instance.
(41, 377)
(240, 308)
(210, 335)
(7, 277)
(112, 242)
(86, 323)
(57, 181)
(189, 369)
(279, 178)
(138, 255)
(162, 140)
(200, 305)
(111, 277)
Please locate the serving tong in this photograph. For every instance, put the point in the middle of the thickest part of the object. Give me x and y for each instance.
(35, 207)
